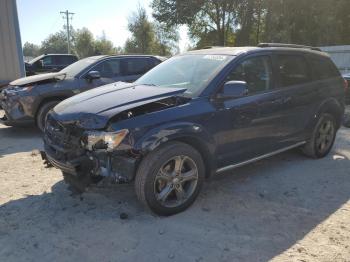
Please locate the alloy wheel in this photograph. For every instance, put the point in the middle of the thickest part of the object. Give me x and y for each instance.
(325, 136)
(176, 181)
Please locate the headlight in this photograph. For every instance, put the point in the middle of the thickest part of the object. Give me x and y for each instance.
(21, 88)
(103, 140)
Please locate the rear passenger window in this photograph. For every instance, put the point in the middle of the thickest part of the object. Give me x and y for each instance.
(323, 69)
(256, 72)
(292, 70)
(136, 66)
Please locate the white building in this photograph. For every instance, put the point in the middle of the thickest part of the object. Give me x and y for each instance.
(340, 56)
(11, 55)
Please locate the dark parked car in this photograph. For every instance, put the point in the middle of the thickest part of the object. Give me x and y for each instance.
(347, 92)
(29, 99)
(196, 114)
(49, 63)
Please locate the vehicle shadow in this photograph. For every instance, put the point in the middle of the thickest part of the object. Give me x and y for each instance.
(253, 213)
(19, 139)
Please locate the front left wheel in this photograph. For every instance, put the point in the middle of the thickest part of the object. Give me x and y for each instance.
(170, 178)
(43, 112)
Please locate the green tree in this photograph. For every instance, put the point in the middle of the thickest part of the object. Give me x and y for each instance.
(55, 43)
(210, 22)
(317, 23)
(103, 46)
(167, 39)
(143, 36)
(84, 43)
(30, 49)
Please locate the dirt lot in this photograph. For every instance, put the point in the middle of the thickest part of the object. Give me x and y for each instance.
(287, 208)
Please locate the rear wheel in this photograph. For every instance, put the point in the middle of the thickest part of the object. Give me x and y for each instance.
(42, 113)
(169, 179)
(322, 138)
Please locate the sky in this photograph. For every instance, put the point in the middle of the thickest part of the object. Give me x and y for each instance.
(40, 18)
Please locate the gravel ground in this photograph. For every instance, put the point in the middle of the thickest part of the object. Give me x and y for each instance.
(286, 208)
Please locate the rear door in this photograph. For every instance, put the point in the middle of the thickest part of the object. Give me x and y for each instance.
(135, 67)
(295, 95)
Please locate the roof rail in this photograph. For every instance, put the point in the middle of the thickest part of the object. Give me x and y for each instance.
(289, 46)
(210, 47)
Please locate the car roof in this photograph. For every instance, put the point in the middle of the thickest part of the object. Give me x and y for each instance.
(235, 51)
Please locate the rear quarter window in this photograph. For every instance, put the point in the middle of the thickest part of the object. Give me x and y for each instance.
(323, 68)
(292, 70)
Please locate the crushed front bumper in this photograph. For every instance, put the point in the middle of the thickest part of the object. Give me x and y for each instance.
(121, 168)
(14, 111)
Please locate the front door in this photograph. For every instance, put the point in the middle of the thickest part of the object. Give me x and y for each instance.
(110, 72)
(249, 126)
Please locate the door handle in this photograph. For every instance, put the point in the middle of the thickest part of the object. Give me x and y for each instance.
(282, 100)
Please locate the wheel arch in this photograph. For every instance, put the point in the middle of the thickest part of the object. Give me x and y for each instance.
(188, 133)
(333, 107)
(47, 100)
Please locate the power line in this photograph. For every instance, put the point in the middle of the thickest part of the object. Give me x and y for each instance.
(68, 17)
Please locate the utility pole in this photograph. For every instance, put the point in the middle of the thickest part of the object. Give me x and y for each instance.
(67, 16)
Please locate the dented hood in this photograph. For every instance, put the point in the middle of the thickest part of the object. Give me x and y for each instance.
(35, 78)
(93, 109)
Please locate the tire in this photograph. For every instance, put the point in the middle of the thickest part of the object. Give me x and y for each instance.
(313, 148)
(170, 178)
(42, 113)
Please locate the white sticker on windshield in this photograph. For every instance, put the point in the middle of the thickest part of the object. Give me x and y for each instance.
(215, 57)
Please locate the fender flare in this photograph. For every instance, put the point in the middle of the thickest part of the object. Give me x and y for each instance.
(331, 105)
(193, 134)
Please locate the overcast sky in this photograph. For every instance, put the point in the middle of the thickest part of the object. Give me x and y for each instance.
(40, 18)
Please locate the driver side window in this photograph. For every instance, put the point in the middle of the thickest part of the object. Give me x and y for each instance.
(47, 61)
(256, 72)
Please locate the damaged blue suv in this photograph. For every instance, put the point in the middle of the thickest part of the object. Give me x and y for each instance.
(196, 114)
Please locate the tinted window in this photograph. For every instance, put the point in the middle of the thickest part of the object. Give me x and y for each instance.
(47, 60)
(323, 68)
(256, 72)
(64, 60)
(136, 66)
(292, 70)
(108, 68)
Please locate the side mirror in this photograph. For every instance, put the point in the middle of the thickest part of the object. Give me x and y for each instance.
(234, 89)
(93, 75)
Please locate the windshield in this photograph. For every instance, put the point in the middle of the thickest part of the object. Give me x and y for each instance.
(35, 59)
(77, 67)
(192, 72)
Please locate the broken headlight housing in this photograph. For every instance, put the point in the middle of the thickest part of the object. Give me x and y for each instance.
(22, 88)
(95, 140)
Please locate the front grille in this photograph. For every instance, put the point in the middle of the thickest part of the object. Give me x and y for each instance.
(63, 140)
